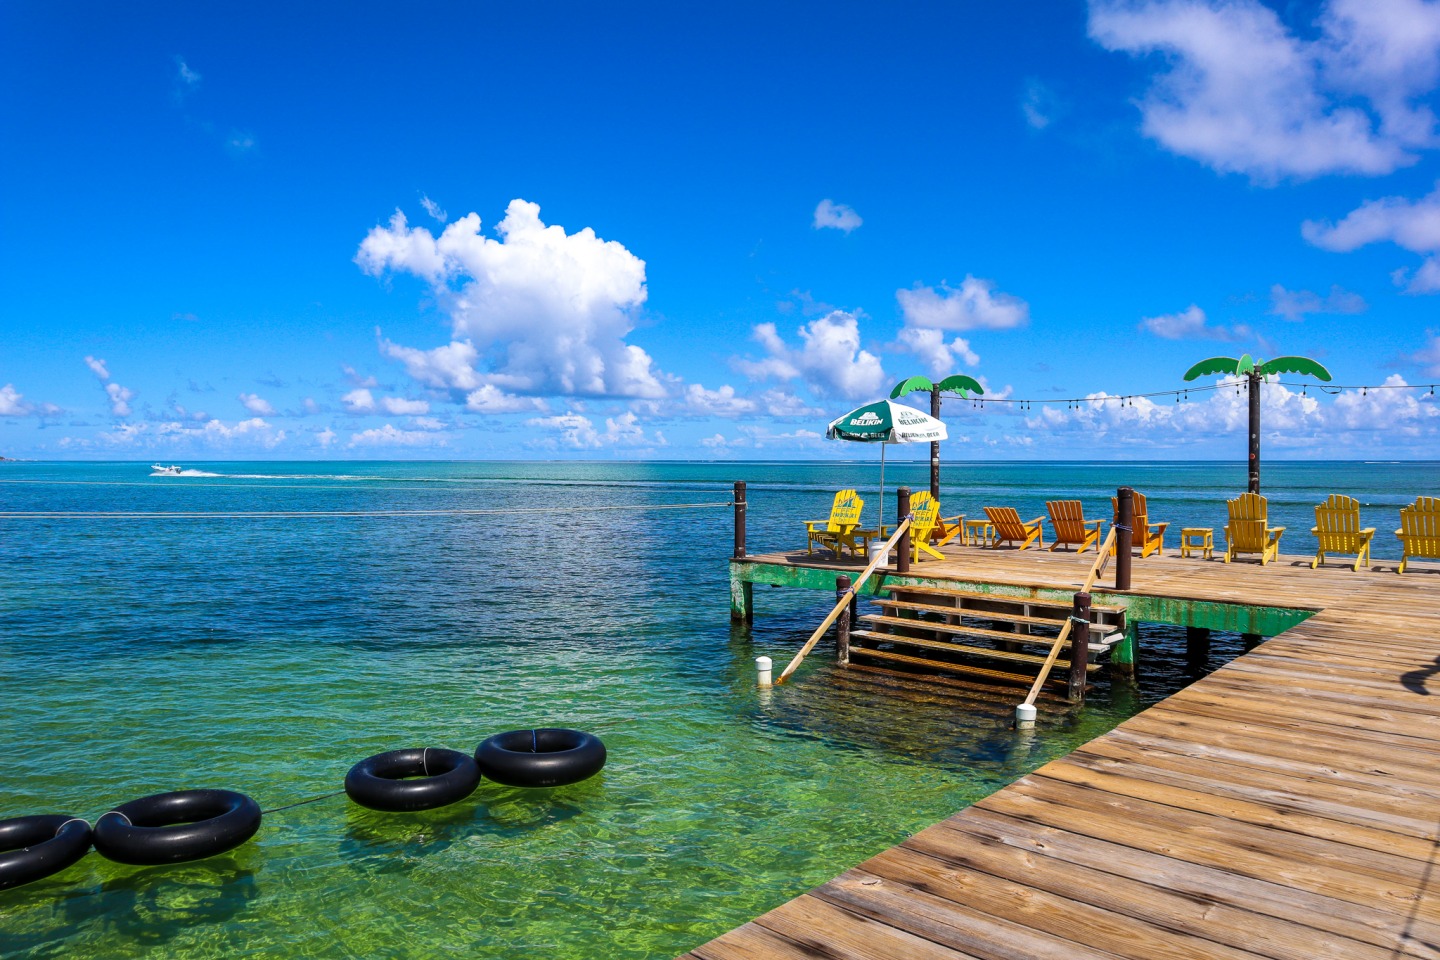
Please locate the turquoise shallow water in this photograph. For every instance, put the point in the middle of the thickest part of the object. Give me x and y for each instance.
(267, 656)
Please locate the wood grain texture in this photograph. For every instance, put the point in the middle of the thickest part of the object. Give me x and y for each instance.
(1287, 806)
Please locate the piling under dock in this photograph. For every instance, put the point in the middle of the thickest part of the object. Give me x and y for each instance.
(1285, 806)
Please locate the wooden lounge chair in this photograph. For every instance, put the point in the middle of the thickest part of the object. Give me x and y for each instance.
(1337, 527)
(1145, 536)
(1247, 531)
(1419, 531)
(1009, 528)
(842, 527)
(1071, 527)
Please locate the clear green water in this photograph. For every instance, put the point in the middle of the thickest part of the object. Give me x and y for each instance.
(269, 656)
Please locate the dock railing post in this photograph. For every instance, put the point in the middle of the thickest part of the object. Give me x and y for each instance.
(739, 519)
(842, 623)
(1079, 646)
(902, 550)
(1124, 537)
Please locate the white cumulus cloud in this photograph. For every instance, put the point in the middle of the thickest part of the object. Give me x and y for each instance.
(402, 407)
(391, 436)
(359, 400)
(257, 404)
(974, 305)
(12, 402)
(939, 356)
(1241, 92)
(835, 216)
(552, 309)
(829, 360)
(578, 432)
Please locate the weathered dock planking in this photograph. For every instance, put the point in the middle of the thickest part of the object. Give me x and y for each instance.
(1287, 806)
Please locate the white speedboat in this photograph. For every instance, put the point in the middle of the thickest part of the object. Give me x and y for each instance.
(160, 470)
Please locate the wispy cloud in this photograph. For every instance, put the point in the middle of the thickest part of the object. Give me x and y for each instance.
(836, 216)
(1295, 305)
(1412, 225)
(1190, 324)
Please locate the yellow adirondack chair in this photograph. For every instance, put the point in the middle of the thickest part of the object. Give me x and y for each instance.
(928, 530)
(841, 529)
(1145, 536)
(1337, 527)
(1419, 531)
(1071, 527)
(1011, 529)
(1248, 532)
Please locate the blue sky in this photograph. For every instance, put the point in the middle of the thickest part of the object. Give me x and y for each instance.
(256, 230)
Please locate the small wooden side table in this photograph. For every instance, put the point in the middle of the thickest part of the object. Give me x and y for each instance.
(978, 532)
(1198, 538)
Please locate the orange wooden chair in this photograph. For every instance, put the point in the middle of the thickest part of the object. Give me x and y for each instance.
(1071, 527)
(1011, 529)
(1145, 536)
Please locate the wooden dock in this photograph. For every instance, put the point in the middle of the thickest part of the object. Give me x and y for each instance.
(1286, 806)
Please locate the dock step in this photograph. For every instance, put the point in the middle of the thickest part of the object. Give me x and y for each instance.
(1101, 628)
(988, 653)
(998, 598)
(960, 630)
(967, 669)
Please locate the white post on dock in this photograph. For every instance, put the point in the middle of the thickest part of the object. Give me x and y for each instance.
(1025, 716)
(762, 670)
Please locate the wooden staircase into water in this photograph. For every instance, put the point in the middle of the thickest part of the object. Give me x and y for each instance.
(981, 635)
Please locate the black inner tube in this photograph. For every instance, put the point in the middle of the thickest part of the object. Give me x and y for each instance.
(437, 778)
(543, 757)
(179, 826)
(32, 848)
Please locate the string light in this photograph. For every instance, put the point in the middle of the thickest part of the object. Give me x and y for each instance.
(1077, 404)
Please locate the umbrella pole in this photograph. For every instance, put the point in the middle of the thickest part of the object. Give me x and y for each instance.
(880, 526)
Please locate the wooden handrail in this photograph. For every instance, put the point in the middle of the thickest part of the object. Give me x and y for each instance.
(1096, 569)
(854, 590)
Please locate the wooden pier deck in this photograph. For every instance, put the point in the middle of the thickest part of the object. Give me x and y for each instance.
(1286, 806)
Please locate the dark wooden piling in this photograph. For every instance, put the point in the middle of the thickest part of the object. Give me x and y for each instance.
(1249, 641)
(1079, 646)
(739, 519)
(1197, 648)
(1254, 382)
(935, 446)
(842, 622)
(1124, 537)
(902, 549)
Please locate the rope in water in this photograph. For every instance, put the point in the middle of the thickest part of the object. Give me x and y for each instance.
(301, 803)
(300, 514)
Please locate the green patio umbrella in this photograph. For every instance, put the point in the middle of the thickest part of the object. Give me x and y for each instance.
(885, 422)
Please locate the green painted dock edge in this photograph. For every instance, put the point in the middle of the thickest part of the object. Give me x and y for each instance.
(1139, 607)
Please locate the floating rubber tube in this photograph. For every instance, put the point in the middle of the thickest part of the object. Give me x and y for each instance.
(443, 777)
(33, 848)
(547, 757)
(175, 827)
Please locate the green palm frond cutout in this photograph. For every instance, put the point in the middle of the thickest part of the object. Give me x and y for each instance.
(910, 385)
(1245, 364)
(1213, 365)
(961, 384)
(1296, 365)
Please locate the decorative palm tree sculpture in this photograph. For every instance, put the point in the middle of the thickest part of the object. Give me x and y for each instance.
(958, 384)
(1254, 371)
